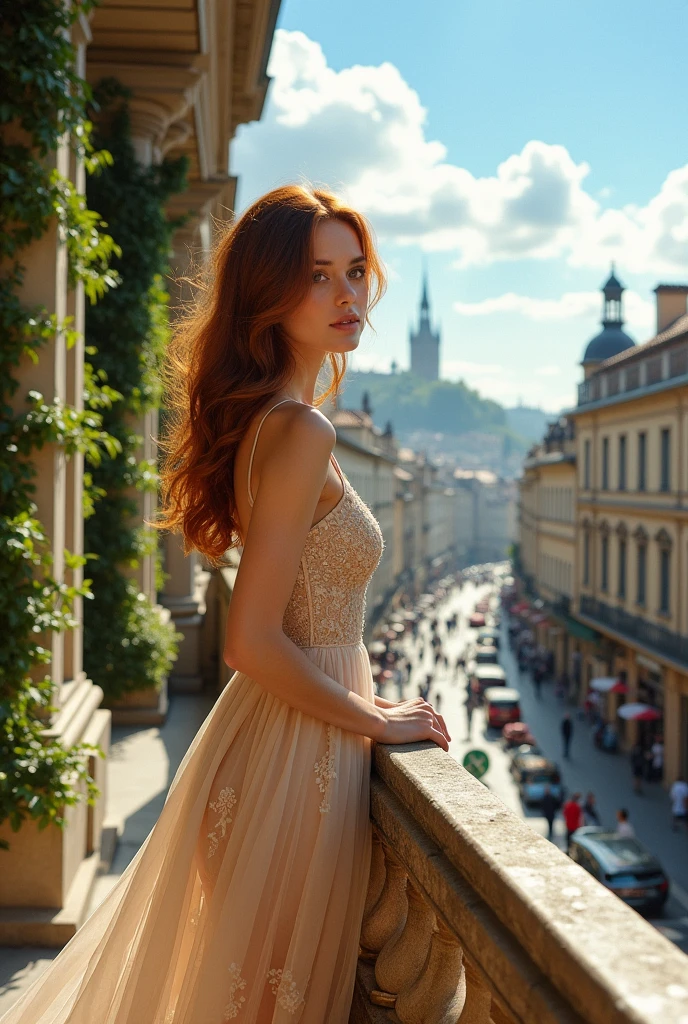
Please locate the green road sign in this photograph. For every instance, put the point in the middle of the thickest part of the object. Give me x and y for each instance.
(476, 762)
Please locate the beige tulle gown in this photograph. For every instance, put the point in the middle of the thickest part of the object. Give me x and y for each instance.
(245, 901)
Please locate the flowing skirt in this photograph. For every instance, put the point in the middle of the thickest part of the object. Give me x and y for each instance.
(245, 901)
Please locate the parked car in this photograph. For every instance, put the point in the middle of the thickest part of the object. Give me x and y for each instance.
(517, 734)
(488, 637)
(501, 706)
(486, 675)
(622, 864)
(532, 772)
(486, 655)
(476, 620)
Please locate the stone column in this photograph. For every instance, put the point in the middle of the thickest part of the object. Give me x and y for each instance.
(47, 875)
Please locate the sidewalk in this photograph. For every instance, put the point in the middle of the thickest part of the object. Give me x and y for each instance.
(141, 766)
(607, 775)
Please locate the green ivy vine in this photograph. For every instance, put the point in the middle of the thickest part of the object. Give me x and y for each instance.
(42, 101)
(126, 644)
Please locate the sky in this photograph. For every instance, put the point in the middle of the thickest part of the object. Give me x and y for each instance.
(513, 149)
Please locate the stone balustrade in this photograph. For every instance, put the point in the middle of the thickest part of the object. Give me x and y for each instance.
(471, 916)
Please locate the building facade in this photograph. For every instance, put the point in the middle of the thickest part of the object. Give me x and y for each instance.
(621, 563)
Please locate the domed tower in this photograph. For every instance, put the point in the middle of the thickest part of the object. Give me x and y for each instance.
(425, 343)
(612, 339)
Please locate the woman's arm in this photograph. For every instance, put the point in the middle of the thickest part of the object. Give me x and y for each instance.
(292, 474)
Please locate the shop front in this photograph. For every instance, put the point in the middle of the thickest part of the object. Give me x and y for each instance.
(651, 692)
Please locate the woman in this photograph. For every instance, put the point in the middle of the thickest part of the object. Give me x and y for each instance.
(246, 899)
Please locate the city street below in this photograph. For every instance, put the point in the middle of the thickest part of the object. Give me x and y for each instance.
(607, 775)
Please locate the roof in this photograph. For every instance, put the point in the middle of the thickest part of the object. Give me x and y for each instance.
(501, 693)
(616, 852)
(489, 671)
(351, 418)
(613, 284)
(611, 340)
(676, 289)
(672, 332)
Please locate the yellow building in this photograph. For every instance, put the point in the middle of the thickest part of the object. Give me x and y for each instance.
(547, 524)
(603, 525)
(632, 515)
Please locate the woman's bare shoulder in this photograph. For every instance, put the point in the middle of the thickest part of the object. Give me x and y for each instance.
(298, 428)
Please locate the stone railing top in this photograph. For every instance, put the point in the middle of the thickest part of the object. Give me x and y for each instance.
(608, 963)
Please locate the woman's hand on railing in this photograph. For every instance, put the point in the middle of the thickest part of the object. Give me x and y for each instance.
(413, 720)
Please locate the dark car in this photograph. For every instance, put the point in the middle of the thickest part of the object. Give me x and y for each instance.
(532, 772)
(488, 637)
(622, 864)
(485, 655)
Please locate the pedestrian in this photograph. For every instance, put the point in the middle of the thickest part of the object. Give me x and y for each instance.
(679, 803)
(537, 681)
(470, 708)
(549, 806)
(438, 702)
(566, 732)
(623, 825)
(573, 817)
(590, 810)
(657, 751)
(637, 767)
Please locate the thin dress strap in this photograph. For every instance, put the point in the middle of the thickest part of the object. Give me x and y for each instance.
(255, 441)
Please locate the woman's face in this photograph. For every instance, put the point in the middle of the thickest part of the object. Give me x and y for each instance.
(332, 316)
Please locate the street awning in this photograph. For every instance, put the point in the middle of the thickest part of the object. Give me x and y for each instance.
(608, 684)
(579, 630)
(639, 712)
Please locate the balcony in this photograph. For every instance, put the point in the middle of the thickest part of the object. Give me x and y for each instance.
(657, 639)
(652, 370)
(471, 916)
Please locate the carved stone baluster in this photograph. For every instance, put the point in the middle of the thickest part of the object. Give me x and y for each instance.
(401, 960)
(388, 916)
(439, 994)
(376, 883)
(478, 1003)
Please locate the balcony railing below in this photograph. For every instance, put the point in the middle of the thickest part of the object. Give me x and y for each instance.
(655, 637)
(650, 370)
(473, 917)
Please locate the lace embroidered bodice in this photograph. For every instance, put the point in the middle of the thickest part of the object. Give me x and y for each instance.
(341, 553)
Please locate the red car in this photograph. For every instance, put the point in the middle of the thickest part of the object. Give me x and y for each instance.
(476, 620)
(501, 706)
(517, 733)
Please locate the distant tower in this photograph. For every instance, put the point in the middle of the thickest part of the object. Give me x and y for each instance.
(425, 343)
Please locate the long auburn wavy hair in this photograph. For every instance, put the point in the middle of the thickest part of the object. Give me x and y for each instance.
(229, 355)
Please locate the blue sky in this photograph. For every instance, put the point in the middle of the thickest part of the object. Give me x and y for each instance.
(516, 148)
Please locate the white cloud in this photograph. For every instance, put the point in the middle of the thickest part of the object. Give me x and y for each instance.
(362, 131)
(639, 312)
(547, 371)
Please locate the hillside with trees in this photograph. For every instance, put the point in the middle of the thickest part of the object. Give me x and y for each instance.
(413, 404)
